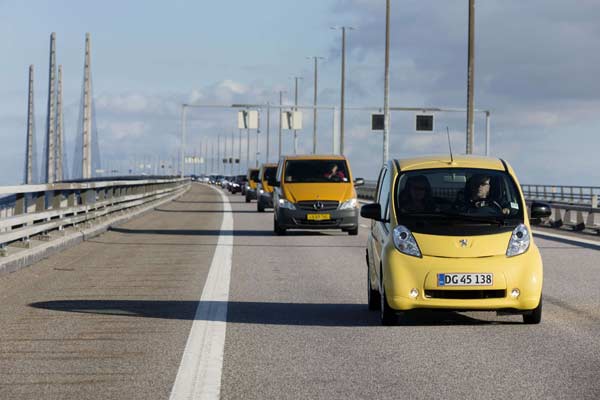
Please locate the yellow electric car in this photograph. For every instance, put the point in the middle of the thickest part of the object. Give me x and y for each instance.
(315, 192)
(452, 234)
(251, 184)
(264, 191)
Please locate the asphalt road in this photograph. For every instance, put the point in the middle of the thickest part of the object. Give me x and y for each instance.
(109, 319)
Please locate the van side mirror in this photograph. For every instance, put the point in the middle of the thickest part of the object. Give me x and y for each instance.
(359, 182)
(540, 210)
(371, 211)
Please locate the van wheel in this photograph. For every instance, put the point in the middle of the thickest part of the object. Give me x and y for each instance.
(260, 207)
(535, 316)
(247, 198)
(387, 314)
(279, 231)
(353, 232)
(373, 295)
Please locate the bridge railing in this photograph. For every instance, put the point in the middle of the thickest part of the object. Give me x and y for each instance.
(30, 210)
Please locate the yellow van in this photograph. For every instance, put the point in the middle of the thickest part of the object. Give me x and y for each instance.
(315, 192)
(264, 191)
(452, 234)
(251, 184)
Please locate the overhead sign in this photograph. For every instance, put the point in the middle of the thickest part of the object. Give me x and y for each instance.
(248, 119)
(291, 120)
(424, 123)
(377, 122)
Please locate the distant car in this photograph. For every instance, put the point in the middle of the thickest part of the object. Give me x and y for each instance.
(264, 195)
(238, 182)
(315, 192)
(455, 235)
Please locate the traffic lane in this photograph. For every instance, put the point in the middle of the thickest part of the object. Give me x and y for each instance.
(110, 317)
(298, 327)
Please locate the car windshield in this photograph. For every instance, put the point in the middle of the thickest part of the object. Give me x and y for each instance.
(254, 175)
(305, 171)
(439, 200)
(269, 172)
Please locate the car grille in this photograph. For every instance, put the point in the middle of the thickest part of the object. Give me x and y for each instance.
(310, 205)
(327, 222)
(465, 294)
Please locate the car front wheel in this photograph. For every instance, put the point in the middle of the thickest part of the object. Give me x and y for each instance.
(535, 316)
(387, 314)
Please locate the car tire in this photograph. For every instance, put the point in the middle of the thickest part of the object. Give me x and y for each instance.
(279, 231)
(260, 207)
(353, 231)
(247, 198)
(387, 314)
(372, 295)
(534, 317)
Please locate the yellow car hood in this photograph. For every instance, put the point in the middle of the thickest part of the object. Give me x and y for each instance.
(463, 246)
(296, 192)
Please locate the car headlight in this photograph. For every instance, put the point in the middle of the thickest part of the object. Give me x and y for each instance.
(247, 187)
(349, 204)
(283, 203)
(519, 241)
(261, 191)
(405, 241)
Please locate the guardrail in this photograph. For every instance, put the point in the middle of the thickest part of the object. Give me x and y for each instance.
(579, 195)
(30, 210)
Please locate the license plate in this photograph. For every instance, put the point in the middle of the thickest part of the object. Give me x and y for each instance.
(318, 217)
(480, 279)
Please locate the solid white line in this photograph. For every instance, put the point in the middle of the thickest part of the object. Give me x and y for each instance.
(565, 237)
(199, 374)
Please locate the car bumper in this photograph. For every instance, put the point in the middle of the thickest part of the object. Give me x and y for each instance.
(266, 199)
(403, 273)
(251, 194)
(297, 219)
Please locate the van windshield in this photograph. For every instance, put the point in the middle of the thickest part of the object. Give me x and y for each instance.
(254, 175)
(269, 172)
(476, 201)
(312, 171)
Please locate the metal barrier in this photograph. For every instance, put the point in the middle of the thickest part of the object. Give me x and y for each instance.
(30, 210)
(580, 195)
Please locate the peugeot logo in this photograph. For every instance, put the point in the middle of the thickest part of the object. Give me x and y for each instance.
(318, 205)
(463, 242)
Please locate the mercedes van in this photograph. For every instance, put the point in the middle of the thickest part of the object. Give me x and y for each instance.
(315, 192)
(264, 191)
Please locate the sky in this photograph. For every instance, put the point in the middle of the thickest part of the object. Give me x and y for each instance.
(536, 71)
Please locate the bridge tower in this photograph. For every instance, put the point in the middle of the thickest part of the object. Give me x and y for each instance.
(31, 172)
(59, 128)
(50, 121)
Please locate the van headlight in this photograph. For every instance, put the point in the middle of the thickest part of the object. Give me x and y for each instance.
(405, 241)
(349, 204)
(519, 241)
(283, 203)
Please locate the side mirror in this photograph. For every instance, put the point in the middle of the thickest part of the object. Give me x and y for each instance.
(540, 210)
(371, 211)
(359, 182)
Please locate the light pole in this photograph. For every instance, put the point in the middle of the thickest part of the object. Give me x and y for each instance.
(281, 92)
(315, 58)
(470, 77)
(386, 89)
(240, 154)
(343, 28)
(296, 78)
(257, 133)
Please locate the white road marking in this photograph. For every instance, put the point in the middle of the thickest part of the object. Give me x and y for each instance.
(199, 374)
(364, 226)
(565, 237)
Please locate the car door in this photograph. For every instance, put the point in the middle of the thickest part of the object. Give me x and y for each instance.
(380, 229)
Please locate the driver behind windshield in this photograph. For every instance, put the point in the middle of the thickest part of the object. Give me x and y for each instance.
(478, 198)
(333, 173)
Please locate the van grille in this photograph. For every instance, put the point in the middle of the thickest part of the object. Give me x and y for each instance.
(465, 294)
(327, 205)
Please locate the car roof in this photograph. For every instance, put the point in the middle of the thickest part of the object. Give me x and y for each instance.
(443, 161)
(315, 157)
(267, 165)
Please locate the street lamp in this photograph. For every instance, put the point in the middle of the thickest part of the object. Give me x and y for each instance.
(386, 89)
(470, 77)
(296, 78)
(343, 29)
(315, 58)
(281, 92)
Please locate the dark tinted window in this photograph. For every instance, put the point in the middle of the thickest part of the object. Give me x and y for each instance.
(269, 173)
(254, 175)
(302, 171)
